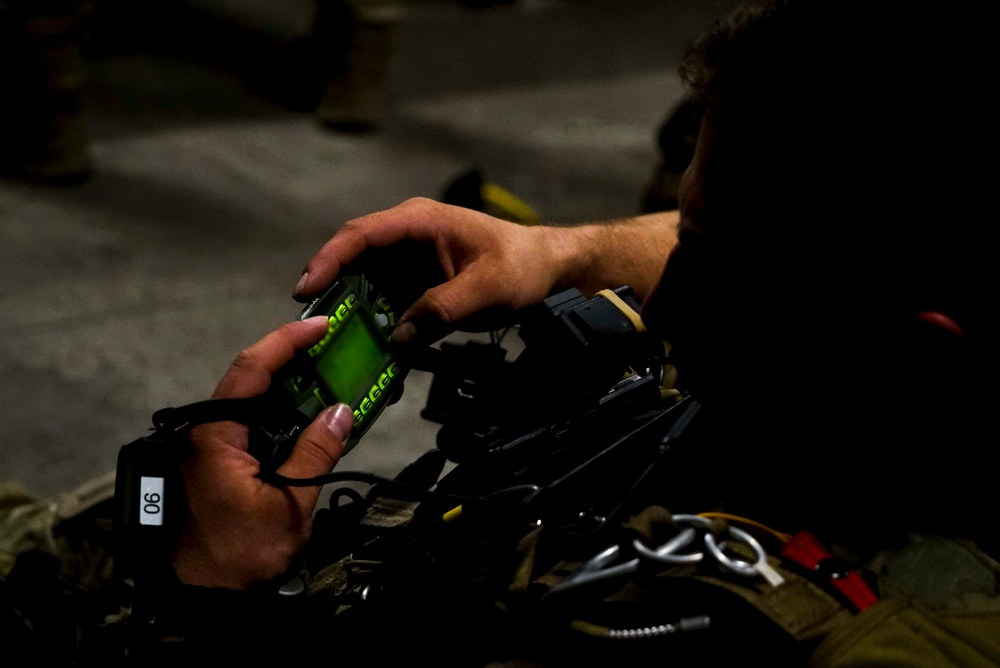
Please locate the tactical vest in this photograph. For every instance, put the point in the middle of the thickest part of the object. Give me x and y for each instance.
(474, 593)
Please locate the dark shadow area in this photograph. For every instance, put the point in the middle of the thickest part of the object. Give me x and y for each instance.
(171, 62)
(166, 63)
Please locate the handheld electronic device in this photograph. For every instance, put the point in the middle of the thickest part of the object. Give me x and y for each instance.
(353, 363)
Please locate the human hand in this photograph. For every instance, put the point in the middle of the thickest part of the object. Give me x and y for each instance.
(454, 268)
(241, 531)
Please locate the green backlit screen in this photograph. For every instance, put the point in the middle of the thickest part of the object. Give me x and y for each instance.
(348, 364)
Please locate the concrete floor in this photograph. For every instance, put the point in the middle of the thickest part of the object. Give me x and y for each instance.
(135, 290)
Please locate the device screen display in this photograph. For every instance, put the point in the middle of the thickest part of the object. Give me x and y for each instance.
(353, 358)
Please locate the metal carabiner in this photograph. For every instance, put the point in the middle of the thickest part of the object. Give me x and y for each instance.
(738, 566)
(597, 568)
(667, 553)
(602, 567)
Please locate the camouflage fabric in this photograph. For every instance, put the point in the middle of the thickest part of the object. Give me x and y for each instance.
(75, 526)
(57, 586)
(940, 604)
(939, 597)
(940, 607)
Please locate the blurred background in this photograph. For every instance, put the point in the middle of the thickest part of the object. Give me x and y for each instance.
(167, 167)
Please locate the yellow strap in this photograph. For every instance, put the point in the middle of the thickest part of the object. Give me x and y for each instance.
(629, 312)
(590, 628)
(780, 535)
(518, 211)
(667, 391)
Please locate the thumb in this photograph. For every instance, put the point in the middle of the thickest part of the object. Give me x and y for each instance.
(320, 445)
(438, 312)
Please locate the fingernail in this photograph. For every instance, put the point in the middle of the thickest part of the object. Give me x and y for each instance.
(339, 420)
(317, 321)
(302, 283)
(404, 332)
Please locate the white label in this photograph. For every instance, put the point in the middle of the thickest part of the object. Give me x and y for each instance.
(151, 501)
(772, 576)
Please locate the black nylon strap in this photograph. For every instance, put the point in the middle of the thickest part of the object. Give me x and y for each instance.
(251, 411)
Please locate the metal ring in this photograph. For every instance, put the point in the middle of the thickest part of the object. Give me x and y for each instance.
(738, 565)
(665, 553)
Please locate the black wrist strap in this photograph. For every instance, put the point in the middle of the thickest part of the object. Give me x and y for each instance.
(274, 425)
(148, 499)
(149, 495)
(148, 487)
(150, 506)
(262, 410)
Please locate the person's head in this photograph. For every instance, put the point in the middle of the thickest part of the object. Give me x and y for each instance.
(834, 195)
(833, 191)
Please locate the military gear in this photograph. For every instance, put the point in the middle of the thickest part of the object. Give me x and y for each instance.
(57, 584)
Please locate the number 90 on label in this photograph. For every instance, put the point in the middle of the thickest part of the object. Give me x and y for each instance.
(151, 501)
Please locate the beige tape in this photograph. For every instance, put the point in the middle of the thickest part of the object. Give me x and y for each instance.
(629, 312)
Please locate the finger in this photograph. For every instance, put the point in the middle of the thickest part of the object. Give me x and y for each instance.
(421, 326)
(418, 332)
(318, 448)
(469, 301)
(410, 220)
(251, 371)
(346, 245)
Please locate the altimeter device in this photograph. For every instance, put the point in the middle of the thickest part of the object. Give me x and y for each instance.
(353, 363)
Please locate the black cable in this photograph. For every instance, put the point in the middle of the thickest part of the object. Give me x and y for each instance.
(403, 492)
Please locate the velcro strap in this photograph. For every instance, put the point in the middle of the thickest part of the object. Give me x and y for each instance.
(806, 550)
